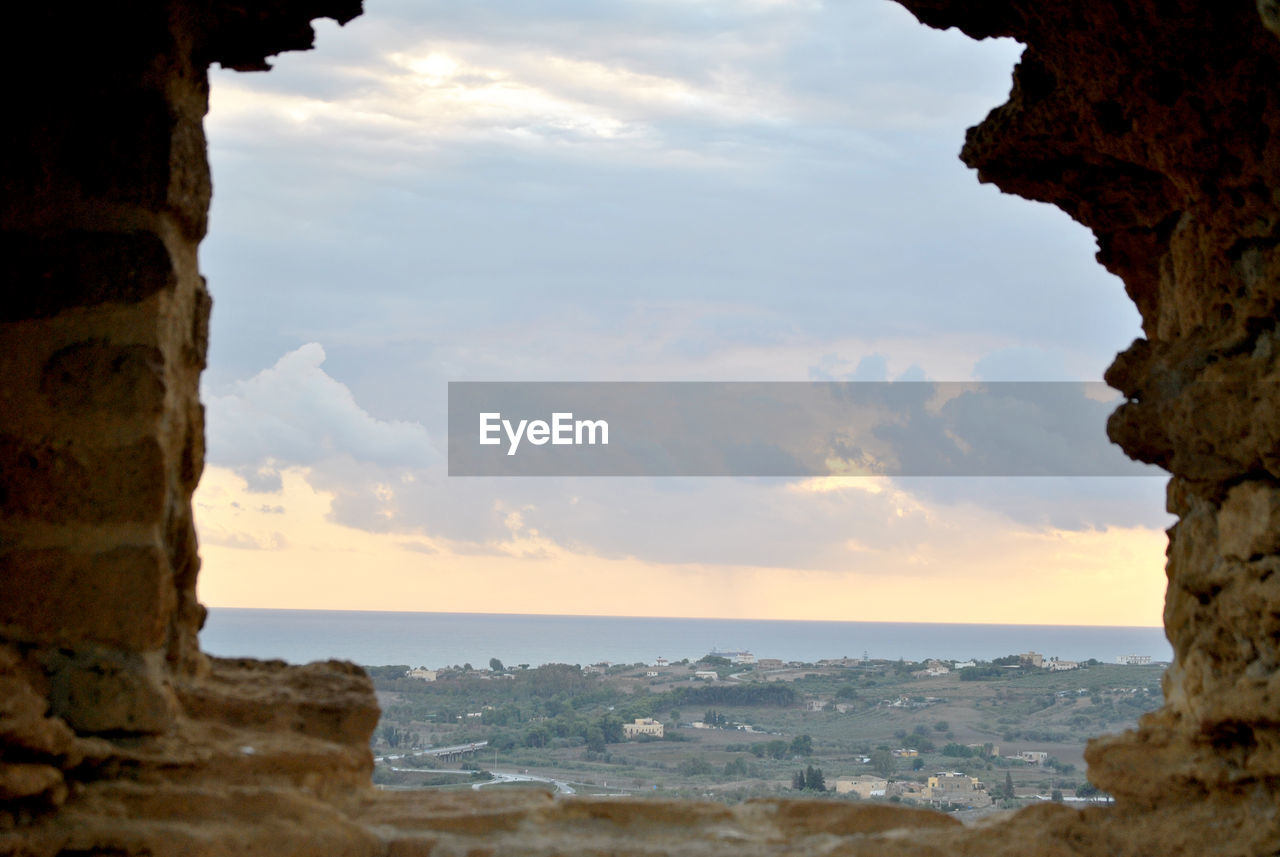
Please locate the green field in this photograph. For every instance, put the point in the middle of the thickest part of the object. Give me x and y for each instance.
(556, 722)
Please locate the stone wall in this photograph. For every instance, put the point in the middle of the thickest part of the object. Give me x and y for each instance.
(1159, 129)
(1152, 124)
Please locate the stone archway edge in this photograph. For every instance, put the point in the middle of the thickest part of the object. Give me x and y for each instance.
(1153, 124)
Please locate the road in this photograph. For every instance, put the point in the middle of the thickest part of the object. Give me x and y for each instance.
(500, 777)
(459, 749)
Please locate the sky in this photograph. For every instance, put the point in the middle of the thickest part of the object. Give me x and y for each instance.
(640, 190)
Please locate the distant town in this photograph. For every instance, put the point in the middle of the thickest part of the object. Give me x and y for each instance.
(969, 736)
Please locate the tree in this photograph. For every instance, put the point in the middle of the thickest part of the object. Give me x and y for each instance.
(1060, 767)
(802, 745)
(612, 729)
(917, 764)
(1056, 795)
(537, 736)
(495, 665)
(942, 726)
(694, 767)
(919, 742)
(595, 739)
(813, 779)
(809, 780)
(883, 763)
(1008, 785)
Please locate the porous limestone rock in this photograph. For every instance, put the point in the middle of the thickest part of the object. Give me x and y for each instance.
(1155, 124)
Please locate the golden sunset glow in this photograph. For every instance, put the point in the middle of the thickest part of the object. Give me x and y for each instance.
(281, 551)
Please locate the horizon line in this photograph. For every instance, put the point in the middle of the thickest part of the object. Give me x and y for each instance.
(681, 618)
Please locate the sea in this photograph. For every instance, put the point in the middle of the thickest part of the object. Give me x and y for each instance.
(435, 640)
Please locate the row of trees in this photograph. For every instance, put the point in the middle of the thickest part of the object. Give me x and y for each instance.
(398, 738)
(809, 780)
(775, 694)
(801, 745)
(735, 769)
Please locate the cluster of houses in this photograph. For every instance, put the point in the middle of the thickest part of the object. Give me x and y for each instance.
(944, 787)
(929, 669)
(1039, 661)
(424, 674)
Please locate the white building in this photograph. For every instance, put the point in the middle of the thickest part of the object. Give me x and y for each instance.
(1056, 666)
(642, 726)
(1134, 660)
(706, 675)
(421, 674)
(958, 789)
(863, 787)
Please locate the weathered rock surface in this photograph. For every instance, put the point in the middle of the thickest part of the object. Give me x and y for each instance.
(1154, 124)
(1158, 127)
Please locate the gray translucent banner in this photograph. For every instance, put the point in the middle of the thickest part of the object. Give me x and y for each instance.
(783, 429)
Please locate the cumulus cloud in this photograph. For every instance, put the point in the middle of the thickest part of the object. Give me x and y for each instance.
(294, 413)
(780, 171)
(720, 190)
(385, 476)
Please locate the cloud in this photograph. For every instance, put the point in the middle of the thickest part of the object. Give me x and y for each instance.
(970, 571)
(243, 541)
(571, 162)
(386, 477)
(501, 190)
(294, 413)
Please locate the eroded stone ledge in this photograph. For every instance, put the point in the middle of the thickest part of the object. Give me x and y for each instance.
(1156, 125)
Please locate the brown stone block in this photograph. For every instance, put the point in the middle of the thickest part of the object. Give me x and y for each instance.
(109, 139)
(1249, 521)
(45, 275)
(118, 598)
(242, 37)
(99, 690)
(30, 780)
(26, 732)
(329, 700)
(638, 814)
(69, 482)
(842, 819)
(97, 377)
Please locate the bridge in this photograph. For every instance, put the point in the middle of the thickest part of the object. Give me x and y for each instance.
(454, 753)
(445, 754)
